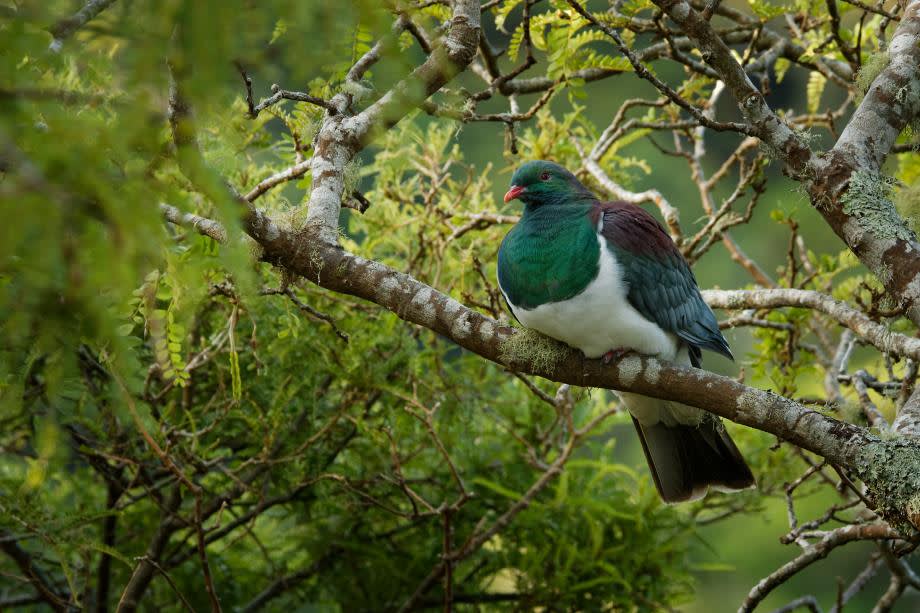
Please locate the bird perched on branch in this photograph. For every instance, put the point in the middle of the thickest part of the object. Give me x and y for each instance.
(604, 277)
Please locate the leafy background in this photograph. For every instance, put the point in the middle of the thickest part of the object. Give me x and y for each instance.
(104, 309)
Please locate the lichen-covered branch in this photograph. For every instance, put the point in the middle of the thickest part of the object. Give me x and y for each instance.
(843, 184)
(882, 464)
(891, 468)
(65, 28)
(813, 553)
(880, 336)
(766, 125)
(341, 136)
(848, 189)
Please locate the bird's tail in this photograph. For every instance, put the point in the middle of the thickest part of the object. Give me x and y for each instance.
(686, 460)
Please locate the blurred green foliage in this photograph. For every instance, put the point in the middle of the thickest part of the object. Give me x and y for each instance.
(300, 414)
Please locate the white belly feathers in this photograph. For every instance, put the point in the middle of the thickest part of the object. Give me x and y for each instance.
(600, 318)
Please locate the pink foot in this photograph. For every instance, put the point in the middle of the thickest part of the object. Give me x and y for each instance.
(615, 354)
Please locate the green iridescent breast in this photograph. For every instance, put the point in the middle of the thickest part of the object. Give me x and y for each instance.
(551, 255)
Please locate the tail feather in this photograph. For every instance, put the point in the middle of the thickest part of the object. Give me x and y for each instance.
(686, 460)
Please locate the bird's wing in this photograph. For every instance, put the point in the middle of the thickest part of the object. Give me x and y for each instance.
(660, 284)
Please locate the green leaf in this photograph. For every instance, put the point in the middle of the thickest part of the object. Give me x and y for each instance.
(237, 382)
(814, 89)
(765, 10)
(780, 68)
(281, 27)
(514, 45)
(498, 488)
(124, 329)
(502, 11)
(103, 548)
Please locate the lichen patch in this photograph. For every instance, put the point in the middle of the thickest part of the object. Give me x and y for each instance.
(387, 286)
(749, 402)
(891, 470)
(913, 511)
(653, 372)
(629, 369)
(868, 199)
(680, 12)
(529, 347)
(486, 330)
(421, 303)
(871, 68)
(461, 328)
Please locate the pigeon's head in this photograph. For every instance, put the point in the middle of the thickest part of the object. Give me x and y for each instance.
(540, 182)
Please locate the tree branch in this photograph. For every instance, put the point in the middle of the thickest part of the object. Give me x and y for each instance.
(43, 584)
(892, 101)
(767, 126)
(848, 190)
(278, 95)
(65, 28)
(288, 174)
(908, 420)
(880, 336)
(204, 226)
(287, 582)
(867, 222)
(664, 88)
(341, 137)
(819, 550)
(143, 572)
(843, 444)
(878, 10)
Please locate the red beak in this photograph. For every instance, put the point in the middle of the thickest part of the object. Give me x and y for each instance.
(514, 192)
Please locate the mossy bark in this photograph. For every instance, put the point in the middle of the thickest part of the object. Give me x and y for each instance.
(891, 471)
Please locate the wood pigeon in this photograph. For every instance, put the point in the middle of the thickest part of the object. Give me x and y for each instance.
(604, 277)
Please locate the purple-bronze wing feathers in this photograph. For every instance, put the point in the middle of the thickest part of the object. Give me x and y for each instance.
(685, 460)
(661, 285)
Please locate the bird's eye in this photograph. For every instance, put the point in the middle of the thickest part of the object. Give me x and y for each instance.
(544, 176)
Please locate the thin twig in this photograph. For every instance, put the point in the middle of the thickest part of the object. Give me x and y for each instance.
(819, 550)
(876, 419)
(663, 87)
(878, 10)
(306, 308)
(192, 487)
(278, 95)
(169, 580)
(65, 28)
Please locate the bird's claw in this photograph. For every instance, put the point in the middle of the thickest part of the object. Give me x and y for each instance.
(615, 354)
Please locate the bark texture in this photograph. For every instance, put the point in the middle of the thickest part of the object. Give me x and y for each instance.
(891, 468)
(844, 184)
